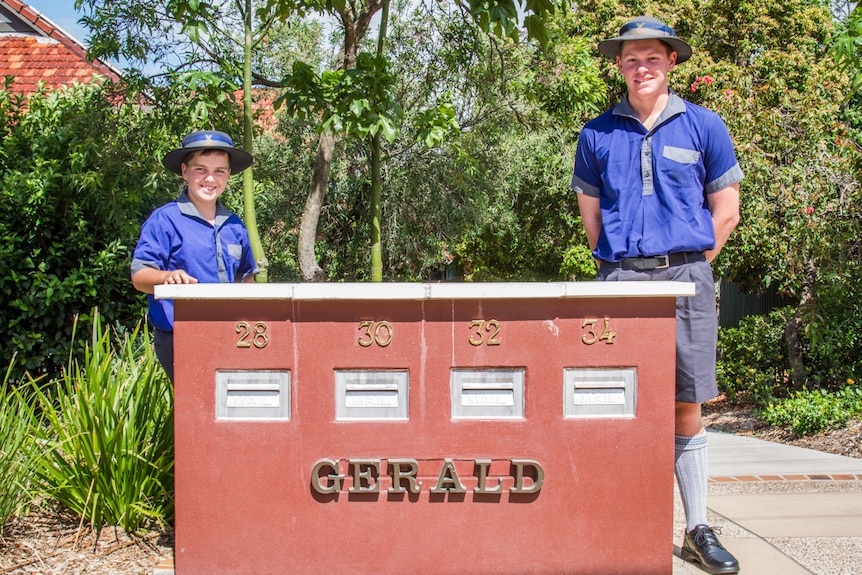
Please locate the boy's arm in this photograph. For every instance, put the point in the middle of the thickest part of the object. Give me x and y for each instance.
(591, 216)
(145, 279)
(724, 206)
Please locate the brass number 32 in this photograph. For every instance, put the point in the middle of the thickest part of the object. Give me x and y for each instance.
(249, 335)
(592, 337)
(480, 327)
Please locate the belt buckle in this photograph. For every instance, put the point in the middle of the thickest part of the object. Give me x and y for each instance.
(663, 262)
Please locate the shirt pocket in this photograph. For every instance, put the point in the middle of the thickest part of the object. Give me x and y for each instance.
(681, 155)
(235, 251)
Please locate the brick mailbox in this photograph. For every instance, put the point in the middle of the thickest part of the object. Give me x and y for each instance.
(424, 428)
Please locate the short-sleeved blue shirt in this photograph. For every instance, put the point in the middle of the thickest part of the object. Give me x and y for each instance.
(176, 236)
(652, 184)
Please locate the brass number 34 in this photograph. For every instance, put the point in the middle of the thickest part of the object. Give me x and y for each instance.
(249, 335)
(592, 337)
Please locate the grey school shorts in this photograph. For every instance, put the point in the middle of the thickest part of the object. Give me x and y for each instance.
(696, 326)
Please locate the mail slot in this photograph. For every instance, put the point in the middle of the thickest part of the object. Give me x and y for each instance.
(369, 395)
(254, 395)
(487, 394)
(597, 393)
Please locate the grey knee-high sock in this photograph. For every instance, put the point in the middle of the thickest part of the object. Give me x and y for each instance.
(690, 467)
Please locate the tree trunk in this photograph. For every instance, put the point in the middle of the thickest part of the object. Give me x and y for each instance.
(308, 266)
(793, 330)
(355, 28)
(249, 213)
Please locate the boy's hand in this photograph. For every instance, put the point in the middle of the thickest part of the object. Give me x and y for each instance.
(179, 277)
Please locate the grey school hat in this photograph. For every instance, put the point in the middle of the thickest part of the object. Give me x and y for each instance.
(207, 140)
(646, 28)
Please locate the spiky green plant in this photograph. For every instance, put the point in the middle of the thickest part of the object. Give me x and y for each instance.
(16, 447)
(108, 434)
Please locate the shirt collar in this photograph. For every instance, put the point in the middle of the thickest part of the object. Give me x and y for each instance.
(187, 208)
(675, 106)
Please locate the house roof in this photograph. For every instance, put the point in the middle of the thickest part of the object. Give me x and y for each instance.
(33, 49)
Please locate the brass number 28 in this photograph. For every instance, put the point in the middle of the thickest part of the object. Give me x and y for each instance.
(592, 337)
(249, 335)
(375, 332)
(480, 327)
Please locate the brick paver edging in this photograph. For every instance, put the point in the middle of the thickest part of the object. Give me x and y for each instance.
(789, 477)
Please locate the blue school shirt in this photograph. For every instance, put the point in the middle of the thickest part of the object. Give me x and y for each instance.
(176, 236)
(652, 184)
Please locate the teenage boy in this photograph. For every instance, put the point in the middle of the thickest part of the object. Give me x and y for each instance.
(195, 238)
(658, 192)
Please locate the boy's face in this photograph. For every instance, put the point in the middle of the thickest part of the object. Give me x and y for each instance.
(645, 65)
(206, 175)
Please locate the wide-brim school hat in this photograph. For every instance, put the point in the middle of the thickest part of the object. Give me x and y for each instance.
(646, 28)
(207, 140)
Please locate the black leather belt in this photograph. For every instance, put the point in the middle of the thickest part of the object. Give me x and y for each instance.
(648, 263)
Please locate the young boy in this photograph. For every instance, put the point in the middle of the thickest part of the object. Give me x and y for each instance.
(195, 238)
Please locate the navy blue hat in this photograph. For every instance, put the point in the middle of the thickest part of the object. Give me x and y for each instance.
(207, 140)
(646, 28)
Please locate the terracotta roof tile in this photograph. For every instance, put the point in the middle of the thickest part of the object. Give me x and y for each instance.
(31, 59)
(54, 57)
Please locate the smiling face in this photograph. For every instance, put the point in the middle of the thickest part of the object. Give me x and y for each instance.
(206, 174)
(645, 65)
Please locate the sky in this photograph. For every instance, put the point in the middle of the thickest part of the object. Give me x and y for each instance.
(63, 14)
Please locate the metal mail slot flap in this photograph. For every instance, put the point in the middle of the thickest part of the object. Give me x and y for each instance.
(487, 393)
(371, 386)
(252, 395)
(257, 386)
(479, 386)
(599, 392)
(366, 395)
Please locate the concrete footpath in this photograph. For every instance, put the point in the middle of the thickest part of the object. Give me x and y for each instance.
(781, 509)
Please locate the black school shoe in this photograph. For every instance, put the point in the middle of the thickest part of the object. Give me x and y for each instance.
(702, 546)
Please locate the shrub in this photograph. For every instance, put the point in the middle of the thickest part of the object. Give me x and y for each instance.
(108, 435)
(78, 175)
(811, 411)
(752, 364)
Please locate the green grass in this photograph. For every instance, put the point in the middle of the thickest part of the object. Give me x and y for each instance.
(105, 431)
(15, 450)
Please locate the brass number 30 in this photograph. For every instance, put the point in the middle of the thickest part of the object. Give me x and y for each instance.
(375, 332)
(592, 337)
(480, 327)
(249, 335)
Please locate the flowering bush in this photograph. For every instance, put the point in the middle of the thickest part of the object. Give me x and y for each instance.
(701, 80)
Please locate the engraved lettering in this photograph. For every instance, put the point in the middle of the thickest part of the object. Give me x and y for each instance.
(404, 470)
(447, 480)
(493, 398)
(607, 397)
(527, 476)
(365, 474)
(253, 399)
(522, 469)
(368, 399)
(334, 479)
(482, 466)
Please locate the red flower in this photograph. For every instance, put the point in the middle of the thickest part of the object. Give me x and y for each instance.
(809, 210)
